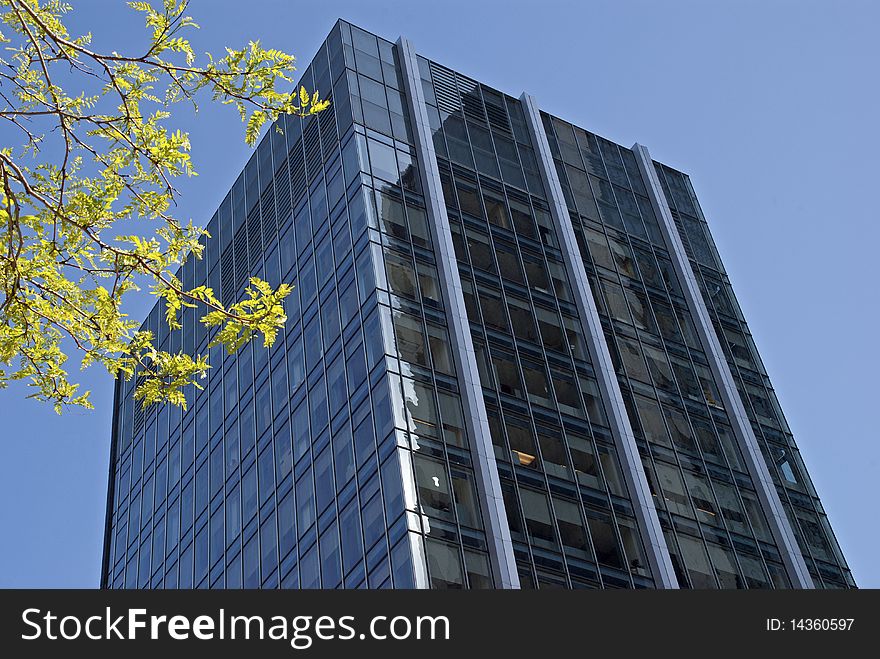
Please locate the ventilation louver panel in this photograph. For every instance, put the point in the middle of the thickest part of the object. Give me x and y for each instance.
(445, 90)
(297, 172)
(254, 240)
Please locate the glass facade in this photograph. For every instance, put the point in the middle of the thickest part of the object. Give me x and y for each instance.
(343, 457)
(285, 470)
(808, 520)
(715, 530)
(569, 513)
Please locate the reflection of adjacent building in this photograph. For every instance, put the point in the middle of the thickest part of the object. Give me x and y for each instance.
(494, 373)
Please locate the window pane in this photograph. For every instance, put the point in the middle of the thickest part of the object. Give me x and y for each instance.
(552, 334)
(421, 408)
(444, 565)
(623, 258)
(494, 315)
(536, 273)
(432, 482)
(429, 285)
(537, 515)
(507, 375)
(418, 226)
(567, 394)
(508, 262)
(731, 508)
(480, 251)
(604, 539)
(467, 197)
(598, 245)
(697, 563)
(522, 442)
(453, 422)
(701, 496)
(673, 490)
(496, 210)
(571, 528)
(523, 223)
(401, 275)
(439, 343)
(678, 425)
(410, 339)
(611, 469)
(631, 355)
(652, 421)
(553, 453)
(583, 457)
(536, 383)
(466, 498)
(522, 319)
(617, 306)
(391, 215)
(632, 545)
(725, 567)
(479, 573)
(331, 571)
(560, 280)
(638, 305)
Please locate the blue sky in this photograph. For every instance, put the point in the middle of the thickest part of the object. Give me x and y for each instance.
(772, 108)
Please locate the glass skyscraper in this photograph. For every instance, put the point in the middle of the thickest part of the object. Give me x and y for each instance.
(513, 359)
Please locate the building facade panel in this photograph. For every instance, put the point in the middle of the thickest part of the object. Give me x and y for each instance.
(715, 522)
(570, 514)
(633, 472)
(754, 461)
(819, 547)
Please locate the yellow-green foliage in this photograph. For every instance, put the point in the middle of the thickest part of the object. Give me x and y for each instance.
(89, 162)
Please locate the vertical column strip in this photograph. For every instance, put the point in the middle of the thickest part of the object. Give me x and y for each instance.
(482, 451)
(106, 563)
(742, 427)
(621, 430)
